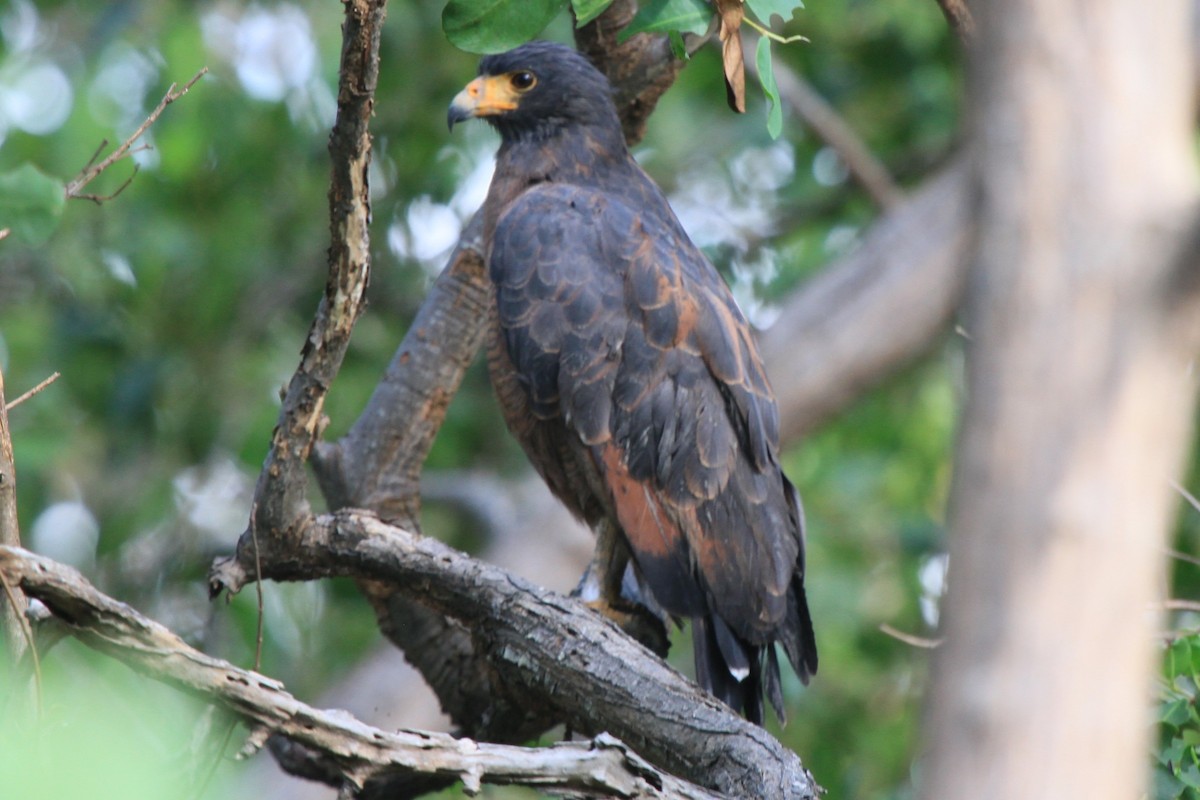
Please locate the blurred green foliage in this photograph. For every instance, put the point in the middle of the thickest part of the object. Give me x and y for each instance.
(104, 731)
(176, 311)
(1177, 767)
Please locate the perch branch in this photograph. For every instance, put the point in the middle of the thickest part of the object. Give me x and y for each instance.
(543, 649)
(603, 767)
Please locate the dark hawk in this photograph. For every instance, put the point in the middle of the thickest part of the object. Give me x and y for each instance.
(632, 380)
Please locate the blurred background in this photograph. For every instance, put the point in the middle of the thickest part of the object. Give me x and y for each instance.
(176, 311)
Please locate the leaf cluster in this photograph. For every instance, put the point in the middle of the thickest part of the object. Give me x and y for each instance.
(1177, 756)
(491, 26)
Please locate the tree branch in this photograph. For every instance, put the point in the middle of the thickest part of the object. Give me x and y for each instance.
(641, 69)
(92, 170)
(1080, 399)
(549, 653)
(12, 602)
(377, 464)
(904, 278)
(960, 19)
(280, 497)
(355, 752)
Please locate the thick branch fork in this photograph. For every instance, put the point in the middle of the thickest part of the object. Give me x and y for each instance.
(547, 653)
(603, 767)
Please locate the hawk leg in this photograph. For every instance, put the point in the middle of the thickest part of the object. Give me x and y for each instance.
(600, 589)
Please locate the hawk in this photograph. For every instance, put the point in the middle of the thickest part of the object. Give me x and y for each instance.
(631, 379)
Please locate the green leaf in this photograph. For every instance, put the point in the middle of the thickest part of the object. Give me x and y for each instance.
(664, 16)
(763, 9)
(493, 26)
(1174, 714)
(766, 76)
(678, 47)
(588, 10)
(31, 203)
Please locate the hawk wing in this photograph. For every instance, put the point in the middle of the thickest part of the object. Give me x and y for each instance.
(623, 336)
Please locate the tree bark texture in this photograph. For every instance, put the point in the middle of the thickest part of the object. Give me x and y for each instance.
(349, 753)
(280, 497)
(1079, 398)
(549, 655)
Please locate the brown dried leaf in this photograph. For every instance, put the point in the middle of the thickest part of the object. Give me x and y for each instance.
(731, 13)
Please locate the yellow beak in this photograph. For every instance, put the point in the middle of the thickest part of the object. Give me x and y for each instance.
(485, 96)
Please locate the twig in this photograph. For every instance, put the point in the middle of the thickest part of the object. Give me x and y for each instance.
(960, 19)
(35, 390)
(908, 638)
(1181, 556)
(806, 103)
(92, 169)
(258, 591)
(15, 602)
(98, 198)
(1191, 498)
(1179, 605)
(602, 767)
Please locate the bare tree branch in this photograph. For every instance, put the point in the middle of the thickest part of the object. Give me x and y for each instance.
(356, 752)
(21, 398)
(543, 649)
(870, 313)
(377, 464)
(89, 173)
(12, 602)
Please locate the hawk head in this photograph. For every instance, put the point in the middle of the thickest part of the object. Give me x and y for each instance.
(535, 91)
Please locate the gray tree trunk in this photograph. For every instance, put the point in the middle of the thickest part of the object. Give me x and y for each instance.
(1080, 396)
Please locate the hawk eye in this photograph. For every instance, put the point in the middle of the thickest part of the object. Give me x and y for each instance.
(523, 81)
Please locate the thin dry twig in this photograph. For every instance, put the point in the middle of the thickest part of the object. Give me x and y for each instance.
(1178, 605)
(104, 198)
(1181, 556)
(35, 390)
(602, 767)
(30, 645)
(910, 639)
(1191, 498)
(74, 188)
(258, 591)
